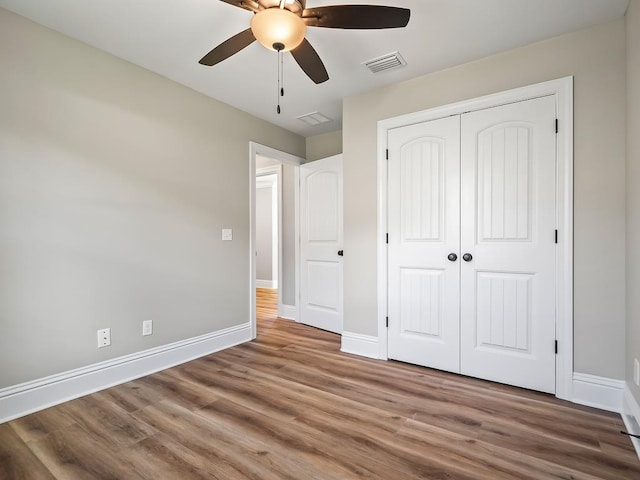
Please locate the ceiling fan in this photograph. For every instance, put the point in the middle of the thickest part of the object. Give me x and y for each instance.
(281, 25)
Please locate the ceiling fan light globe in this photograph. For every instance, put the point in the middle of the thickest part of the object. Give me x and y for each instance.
(276, 25)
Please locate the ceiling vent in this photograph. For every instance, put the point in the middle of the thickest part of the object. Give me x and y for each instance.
(314, 118)
(385, 62)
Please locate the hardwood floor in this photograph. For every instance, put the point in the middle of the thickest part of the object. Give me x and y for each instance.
(266, 306)
(290, 405)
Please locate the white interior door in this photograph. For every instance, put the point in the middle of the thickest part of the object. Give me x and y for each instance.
(508, 205)
(321, 232)
(471, 254)
(424, 229)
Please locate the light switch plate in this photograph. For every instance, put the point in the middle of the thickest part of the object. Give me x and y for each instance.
(227, 234)
(147, 327)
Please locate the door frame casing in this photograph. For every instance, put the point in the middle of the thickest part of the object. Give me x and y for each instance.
(562, 89)
(256, 149)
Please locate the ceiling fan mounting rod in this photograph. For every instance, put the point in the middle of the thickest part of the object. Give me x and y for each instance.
(252, 4)
(295, 6)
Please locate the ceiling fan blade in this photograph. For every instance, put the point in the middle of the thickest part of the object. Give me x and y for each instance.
(310, 62)
(357, 16)
(251, 5)
(229, 47)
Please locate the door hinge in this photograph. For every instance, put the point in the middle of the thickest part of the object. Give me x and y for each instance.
(556, 236)
(387, 154)
(557, 128)
(387, 322)
(556, 347)
(387, 239)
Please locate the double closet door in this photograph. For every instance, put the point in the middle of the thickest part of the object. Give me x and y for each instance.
(472, 253)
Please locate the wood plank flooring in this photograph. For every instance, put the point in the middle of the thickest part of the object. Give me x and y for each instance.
(290, 405)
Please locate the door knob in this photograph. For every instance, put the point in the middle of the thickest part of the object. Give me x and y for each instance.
(341, 253)
(452, 257)
(467, 257)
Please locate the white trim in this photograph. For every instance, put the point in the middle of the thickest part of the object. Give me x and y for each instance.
(598, 392)
(382, 231)
(296, 212)
(288, 312)
(357, 344)
(564, 260)
(276, 231)
(270, 284)
(562, 89)
(29, 397)
(267, 177)
(256, 149)
(631, 417)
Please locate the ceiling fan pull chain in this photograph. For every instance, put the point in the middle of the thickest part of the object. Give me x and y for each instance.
(281, 73)
(278, 92)
(279, 47)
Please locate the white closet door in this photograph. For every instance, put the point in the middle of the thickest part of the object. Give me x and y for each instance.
(508, 195)
(424, 222)
(321, 235)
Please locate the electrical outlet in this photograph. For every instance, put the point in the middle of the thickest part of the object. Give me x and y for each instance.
(147, 327)
(104, 337)
(636, 372)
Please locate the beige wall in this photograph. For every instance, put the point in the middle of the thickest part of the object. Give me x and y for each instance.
(596, 57)
(114, 186)
(633, 191)
(324, 145)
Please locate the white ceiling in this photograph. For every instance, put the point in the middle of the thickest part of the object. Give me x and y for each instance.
(170, 36)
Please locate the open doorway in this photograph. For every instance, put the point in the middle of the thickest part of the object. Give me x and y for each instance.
(268, 193)
(268, 231)
(274, 264)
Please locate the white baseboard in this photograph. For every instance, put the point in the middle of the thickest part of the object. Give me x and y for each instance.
(272, 284)
(599, 392)
(19, 400)
(631, 417)
(287, 312)
(363, 345)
